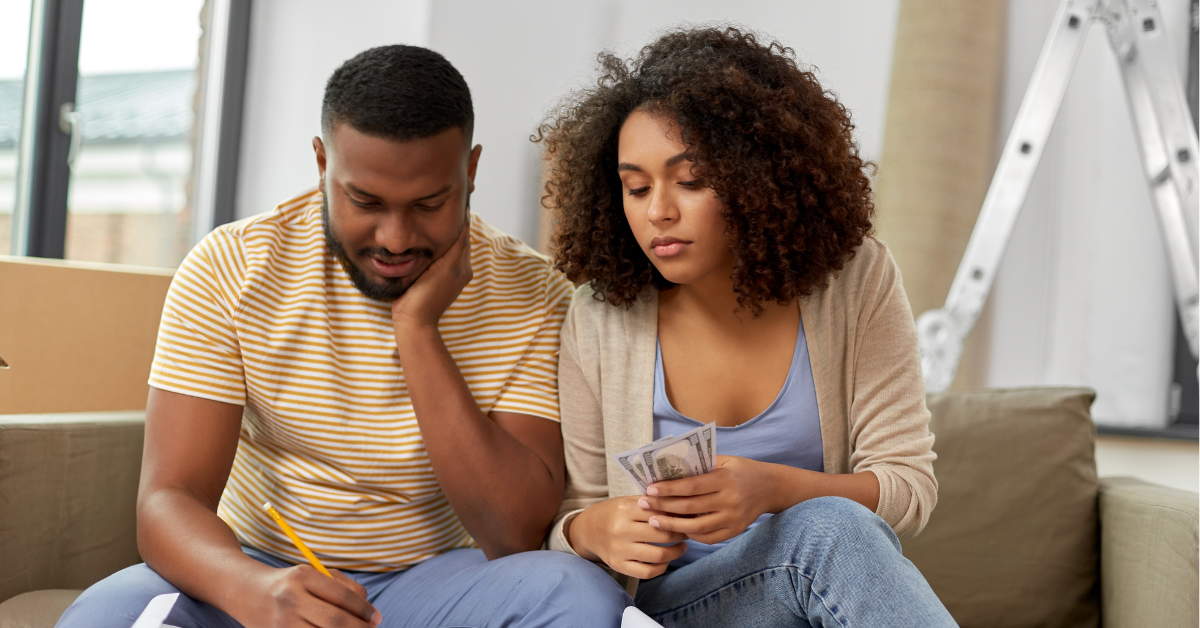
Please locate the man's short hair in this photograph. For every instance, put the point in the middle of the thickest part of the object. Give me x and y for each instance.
(399, 93)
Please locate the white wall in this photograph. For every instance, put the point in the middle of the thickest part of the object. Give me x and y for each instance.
(1170, 463)
(1083, 295)
(519, 58)
(294, 46)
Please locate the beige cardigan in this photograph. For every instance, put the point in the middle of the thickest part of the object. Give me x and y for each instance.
(866, 369)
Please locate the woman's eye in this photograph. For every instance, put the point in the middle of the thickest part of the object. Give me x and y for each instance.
(638, 191)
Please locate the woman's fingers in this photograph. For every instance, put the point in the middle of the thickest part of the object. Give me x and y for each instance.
(641, 571)
(655, 554)
(680, 505)
(690, 526)
(655, 535)
(696, 485)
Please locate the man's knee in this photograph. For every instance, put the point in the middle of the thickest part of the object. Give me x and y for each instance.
(117, 600)
(569, 582)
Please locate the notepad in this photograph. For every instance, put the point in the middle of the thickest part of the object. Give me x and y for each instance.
(634, 618)
(156, 612)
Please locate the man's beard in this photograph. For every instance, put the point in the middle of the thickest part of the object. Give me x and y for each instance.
(389, 289)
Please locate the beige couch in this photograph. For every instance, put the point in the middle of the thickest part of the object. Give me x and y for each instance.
(1024, 533)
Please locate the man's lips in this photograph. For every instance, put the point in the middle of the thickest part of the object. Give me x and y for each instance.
(393, 270)
(667, 246)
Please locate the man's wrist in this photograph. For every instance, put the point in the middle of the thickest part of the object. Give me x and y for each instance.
(233, 590)
(412, 335)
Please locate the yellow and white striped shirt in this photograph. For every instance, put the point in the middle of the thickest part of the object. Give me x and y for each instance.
(261, 315)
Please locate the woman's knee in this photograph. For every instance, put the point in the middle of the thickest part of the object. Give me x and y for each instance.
(832, 522)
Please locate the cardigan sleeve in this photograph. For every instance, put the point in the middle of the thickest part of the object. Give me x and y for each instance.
(889, 422)
(582, 431)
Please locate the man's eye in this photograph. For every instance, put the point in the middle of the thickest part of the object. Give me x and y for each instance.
(639, 191)
(363, 204)
(430, 208)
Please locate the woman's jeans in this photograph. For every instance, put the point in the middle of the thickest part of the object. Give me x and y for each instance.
(824, 562)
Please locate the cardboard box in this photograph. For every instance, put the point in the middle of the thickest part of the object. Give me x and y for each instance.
(77, 336)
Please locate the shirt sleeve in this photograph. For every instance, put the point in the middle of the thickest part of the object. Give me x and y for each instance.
(532, 387)
(889, 421)
(198, 352)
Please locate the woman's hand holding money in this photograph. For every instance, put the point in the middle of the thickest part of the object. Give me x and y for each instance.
(616, 532)
(715, 506)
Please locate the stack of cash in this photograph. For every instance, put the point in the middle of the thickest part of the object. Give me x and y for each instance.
(671, 458)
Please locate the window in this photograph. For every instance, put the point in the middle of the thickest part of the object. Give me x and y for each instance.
(14, 47)
(131, 118)
(129, 195)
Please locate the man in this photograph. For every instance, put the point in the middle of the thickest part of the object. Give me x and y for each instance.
(380, 365)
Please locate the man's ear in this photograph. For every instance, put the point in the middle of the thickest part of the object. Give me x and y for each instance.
(472, 164)
(319, 149)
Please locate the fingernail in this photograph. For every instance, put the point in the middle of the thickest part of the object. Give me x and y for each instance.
(654, 523)
(653, 490)
(376, 619)
(644, 504)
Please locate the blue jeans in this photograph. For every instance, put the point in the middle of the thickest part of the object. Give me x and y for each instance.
(824, 562)
(457, 588)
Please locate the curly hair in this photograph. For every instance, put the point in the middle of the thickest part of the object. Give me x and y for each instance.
(775, 147)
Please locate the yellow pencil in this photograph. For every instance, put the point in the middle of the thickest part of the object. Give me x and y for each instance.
(287, 529)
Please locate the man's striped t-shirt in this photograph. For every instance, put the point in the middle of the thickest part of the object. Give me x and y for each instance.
(262, 315)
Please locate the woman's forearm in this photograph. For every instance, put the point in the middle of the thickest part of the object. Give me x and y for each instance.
(792, 486)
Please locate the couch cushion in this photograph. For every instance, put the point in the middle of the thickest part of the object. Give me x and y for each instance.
(37, 609)
(68, 493)
(1013, 539)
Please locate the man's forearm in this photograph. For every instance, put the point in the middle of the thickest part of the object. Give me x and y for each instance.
(187, 544)
(502, 491)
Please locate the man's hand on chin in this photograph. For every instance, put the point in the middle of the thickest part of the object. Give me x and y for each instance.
(423, 304)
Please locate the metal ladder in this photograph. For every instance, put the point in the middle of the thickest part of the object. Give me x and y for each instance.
(1166, 140)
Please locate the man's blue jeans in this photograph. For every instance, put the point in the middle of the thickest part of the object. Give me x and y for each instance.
(824, 562)
(457, 588)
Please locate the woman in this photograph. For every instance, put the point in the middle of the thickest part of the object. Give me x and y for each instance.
(713, 204)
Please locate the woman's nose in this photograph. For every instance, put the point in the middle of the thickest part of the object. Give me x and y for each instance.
(662, 207)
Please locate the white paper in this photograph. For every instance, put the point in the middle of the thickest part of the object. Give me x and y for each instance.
(156, 611)
(633, 618)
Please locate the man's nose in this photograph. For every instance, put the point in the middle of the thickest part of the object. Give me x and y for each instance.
(394, 233)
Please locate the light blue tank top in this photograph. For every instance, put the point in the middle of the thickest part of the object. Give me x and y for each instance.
(787, 432)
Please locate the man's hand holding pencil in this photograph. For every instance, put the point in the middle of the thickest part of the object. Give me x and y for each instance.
(317, 596)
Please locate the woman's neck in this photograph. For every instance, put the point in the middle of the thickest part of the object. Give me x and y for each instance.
(713, 301)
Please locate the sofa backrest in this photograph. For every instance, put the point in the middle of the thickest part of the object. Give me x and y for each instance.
(1013, 538)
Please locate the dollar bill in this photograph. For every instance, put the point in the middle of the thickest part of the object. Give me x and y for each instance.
(671, 458)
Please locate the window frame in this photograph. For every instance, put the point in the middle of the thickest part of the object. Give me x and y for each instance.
(39, 226)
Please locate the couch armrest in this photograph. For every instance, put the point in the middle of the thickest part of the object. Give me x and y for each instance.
(68, 498)
(1148, 554)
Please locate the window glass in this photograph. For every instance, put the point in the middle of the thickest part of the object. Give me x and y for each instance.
(131, 180)
(14, 48)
